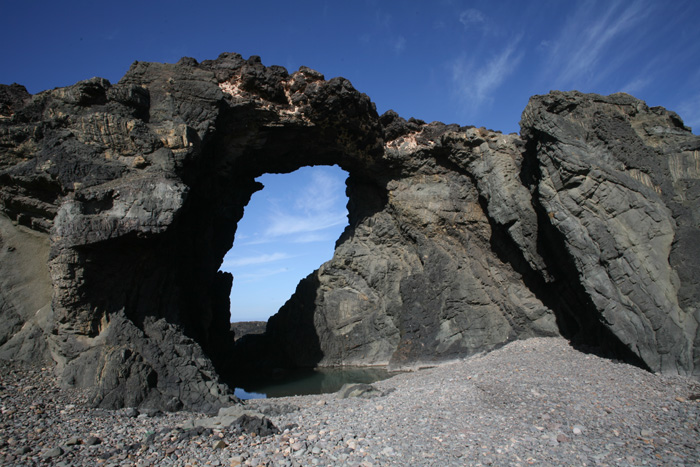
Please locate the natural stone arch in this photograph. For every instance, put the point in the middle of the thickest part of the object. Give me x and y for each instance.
(163, 234)
(460, 239)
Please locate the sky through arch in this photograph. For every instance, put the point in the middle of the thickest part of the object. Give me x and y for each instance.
(288, 230)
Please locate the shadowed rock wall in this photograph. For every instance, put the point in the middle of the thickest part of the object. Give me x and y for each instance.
(118, 203)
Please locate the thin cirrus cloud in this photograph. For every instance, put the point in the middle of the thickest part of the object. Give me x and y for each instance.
(476, 82)
(321, 194)
(256, 260)
(473, 19)
(313, 237)
(399, 44)
(290, 224)
(689, 111)
(636, 85)
(576, 58)
(258, 274)
(382, 28)
(316, 208)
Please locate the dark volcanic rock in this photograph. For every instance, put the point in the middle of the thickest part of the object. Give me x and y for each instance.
(244, 328)
(416, 277)
(12, 97)
(619, 184)
(261, 426)
(119, 201)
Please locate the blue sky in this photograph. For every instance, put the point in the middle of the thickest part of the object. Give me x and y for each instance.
(466, 62)
(288, 230)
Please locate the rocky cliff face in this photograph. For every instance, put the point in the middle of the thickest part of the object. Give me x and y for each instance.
(118, 203)
(619, 183)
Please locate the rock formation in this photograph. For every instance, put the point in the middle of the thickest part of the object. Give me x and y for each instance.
(243, 328)
(118, 203)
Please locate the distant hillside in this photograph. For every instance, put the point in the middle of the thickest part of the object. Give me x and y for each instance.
(242, 328)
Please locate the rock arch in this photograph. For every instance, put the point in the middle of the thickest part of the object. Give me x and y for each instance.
(460, 239)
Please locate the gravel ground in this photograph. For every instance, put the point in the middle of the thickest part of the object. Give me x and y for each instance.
(533, 402)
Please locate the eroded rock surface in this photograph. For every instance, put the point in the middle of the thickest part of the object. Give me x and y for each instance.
(620, 184)
(118, 203)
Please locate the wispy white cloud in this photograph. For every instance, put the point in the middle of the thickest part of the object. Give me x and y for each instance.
(636, 86)
(578, 56)
(255, 260)
(253, 240)
(689, 111)
(382, 21)
(646, 75)
(544, 45)
(258, 275)
(316, 208)
(383, 30)
(290, 224)
(399, 44)
(302, 218)
(313, 237)
(476, 82)
(321, 194)
(472, 17)
(474, 20)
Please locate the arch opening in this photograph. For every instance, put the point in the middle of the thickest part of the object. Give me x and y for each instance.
(287, 231)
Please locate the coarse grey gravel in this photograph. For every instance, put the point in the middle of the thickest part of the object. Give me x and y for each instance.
(532, 402)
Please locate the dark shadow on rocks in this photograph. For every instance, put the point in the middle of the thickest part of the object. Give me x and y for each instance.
(578, 319)
(290, 340)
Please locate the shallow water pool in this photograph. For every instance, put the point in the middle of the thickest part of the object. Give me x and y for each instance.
(310, 381)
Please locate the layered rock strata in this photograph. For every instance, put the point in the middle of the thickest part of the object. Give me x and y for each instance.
(118, 203)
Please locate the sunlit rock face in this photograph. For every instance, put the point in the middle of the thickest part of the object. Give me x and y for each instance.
(118, 203)
(620, 183)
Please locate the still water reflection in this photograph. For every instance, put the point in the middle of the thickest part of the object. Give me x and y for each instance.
(310, 381)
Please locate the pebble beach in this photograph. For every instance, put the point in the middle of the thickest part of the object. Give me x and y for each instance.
(532, 402)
